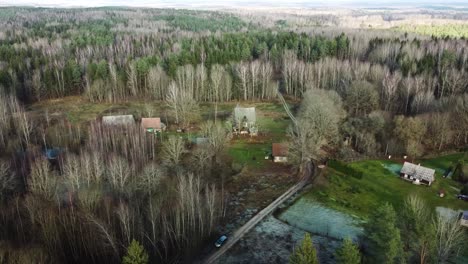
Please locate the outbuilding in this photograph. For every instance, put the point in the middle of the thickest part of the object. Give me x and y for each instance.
(279, 152)
(118, 120)
(464, 219)
(152, 124)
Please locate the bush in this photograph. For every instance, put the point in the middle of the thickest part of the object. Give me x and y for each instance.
(345, 169)
(464, 191)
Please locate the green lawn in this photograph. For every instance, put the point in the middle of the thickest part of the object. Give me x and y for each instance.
(272, 122)
(379, 185)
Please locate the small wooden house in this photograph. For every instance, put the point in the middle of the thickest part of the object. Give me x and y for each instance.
(118, 120)
(464, 219)
(417, 174)
(152, 124)
(279, 152)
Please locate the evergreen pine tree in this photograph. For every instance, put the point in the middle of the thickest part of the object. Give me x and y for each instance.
(305, 253)
(136, 254)
(383, 242)
(348, 253)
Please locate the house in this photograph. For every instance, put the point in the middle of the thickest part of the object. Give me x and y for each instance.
(245, 120)
(279, 152)
(464, 219)
(152, 124)
(118, 120)
(417, 173)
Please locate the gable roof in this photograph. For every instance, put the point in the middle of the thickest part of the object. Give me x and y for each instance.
(248, 112)
(118, 120)
(417, 171)
(151, 122)
(279, 150)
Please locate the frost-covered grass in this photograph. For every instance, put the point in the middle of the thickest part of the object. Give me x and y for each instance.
(315, 218)
(381, 184)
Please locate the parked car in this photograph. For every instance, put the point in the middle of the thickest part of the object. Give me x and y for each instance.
(462, 197)
(220, 241)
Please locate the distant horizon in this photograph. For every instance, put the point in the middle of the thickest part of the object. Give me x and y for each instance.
(232, 3)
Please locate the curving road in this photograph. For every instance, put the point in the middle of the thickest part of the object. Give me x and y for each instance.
(239, 233)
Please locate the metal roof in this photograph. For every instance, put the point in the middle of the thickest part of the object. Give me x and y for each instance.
(152, 122)
(417, 171)
(118, 120)
(279, 150)
(247, 112)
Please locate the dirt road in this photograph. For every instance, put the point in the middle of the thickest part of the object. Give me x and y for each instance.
(239, 233)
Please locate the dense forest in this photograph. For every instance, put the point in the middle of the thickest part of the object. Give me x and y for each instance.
(388, 93)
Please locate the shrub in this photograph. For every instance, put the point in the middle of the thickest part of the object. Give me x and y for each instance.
(345, 169)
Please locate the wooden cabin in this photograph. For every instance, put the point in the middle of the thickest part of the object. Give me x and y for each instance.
(279, 152)
(152, 124)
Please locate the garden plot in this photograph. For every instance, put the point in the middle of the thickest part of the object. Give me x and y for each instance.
(315, 218)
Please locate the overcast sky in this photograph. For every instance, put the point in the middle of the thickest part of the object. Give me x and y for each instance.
(207, 3)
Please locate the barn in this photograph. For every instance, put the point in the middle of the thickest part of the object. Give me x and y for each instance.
(417, 173)
(118, 120)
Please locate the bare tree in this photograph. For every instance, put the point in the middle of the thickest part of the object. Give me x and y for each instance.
(242, 72)
(216, 77)
(182, 104)
(316, 126)
(8, 182)
(119, 173)
(173, 149)
(172, 100)
(389, 88)
(42, 180)
(449, 238)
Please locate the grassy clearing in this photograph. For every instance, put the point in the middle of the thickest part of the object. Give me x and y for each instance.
(78, 110)
(272, 123)
(379, 185)
(250, 152)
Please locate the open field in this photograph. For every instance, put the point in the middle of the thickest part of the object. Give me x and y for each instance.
(380, 184)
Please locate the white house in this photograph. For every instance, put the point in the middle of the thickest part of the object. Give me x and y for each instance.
(417, 173)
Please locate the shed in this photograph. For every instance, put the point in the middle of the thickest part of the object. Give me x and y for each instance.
(279, 152)
(464, 219)
(118, 120)
(245, 117)
(417, 173)
(152, 124)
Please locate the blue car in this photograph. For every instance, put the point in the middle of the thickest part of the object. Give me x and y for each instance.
(220, 241)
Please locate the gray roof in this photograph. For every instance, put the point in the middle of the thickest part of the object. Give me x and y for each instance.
(118, 120)
(465, 215)
(201, 140)
(248, 112)
(417, 171)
